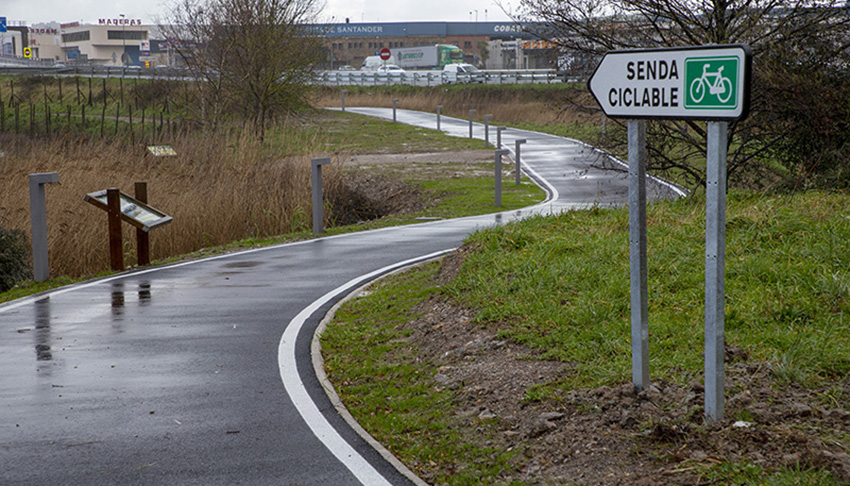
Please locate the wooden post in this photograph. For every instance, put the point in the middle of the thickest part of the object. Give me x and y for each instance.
(143, 242)
(116, 247)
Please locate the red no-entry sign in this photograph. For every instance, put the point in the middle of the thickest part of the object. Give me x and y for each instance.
(385, 54)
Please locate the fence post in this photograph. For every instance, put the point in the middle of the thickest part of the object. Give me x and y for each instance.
(470, 122)
(316, 177)
(498, 174)
(518, 143)
(38, 217)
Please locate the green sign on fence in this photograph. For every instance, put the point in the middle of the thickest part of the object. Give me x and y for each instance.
(711, 83)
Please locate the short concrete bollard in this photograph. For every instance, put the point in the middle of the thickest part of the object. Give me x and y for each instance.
(499, 154)
(516, 151)
(343, 99)
(38, 218)
(470, 122)
(318, 210)
(394, 117)
(439, 107)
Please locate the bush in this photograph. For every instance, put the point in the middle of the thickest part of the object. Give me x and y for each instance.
(14, 258)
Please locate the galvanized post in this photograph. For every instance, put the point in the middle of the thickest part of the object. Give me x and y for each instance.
(715, 262)
(38, 218)
(470, 122)
(516, 151)
(394, 117)
(498, 174)
(637, 253)
(487, 130)
(499, 137)
(343, 99)
(439, 107)
(316, 177)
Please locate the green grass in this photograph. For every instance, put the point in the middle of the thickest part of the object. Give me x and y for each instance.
(361, 134)
(560, 284)
(787, 286)
(392, 394)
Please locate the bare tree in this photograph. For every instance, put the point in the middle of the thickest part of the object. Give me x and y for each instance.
(786, 35)
(250, 56)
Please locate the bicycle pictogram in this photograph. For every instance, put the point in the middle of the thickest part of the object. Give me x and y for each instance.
(721, 86)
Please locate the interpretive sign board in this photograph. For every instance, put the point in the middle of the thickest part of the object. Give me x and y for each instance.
(134, 212)
(702, 83)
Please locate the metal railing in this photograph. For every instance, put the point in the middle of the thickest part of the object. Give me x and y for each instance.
(436, 78)
(326, 78)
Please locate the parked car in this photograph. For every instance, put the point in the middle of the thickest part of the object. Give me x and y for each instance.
(462, 73)
(346, 68)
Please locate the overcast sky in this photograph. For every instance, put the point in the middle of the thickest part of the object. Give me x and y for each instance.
(89, 11)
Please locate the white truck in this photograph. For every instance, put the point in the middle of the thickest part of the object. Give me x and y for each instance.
(427, 57)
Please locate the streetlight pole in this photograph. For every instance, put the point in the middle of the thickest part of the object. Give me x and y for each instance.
(123, 42)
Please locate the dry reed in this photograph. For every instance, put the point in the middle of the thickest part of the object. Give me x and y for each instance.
(220, 188)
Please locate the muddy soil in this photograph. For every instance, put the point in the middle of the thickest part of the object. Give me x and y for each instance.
(615, 435)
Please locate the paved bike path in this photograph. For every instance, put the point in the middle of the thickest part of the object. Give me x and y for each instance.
(175, 375)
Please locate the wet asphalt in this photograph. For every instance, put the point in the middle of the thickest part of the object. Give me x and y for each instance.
(175, 375)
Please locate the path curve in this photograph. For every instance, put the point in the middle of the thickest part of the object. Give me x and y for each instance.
(173, 375)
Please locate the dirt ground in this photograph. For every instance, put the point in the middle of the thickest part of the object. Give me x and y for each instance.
(615, 436)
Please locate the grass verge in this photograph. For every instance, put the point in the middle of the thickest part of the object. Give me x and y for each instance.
(559, 286)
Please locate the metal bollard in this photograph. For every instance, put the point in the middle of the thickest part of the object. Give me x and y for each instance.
(499, 154)
(470, 122)
(343, 99)
(439, 107)
(318, 210)
(38, 218)
(518, 143)
(499, 136)
(487, 130)
(394, 102)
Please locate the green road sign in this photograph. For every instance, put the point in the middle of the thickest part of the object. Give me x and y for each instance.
(711, 82)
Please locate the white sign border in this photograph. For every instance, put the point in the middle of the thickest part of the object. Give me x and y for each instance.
(747, 79)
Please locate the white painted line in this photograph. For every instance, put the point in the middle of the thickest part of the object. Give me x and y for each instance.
(317, 422)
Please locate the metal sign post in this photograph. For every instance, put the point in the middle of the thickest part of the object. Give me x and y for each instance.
(470, 122)
(439, 107)
(715, 268)
(637, 253)
(38, 218)
(710, 83)
(518, 163)
(318, 210)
